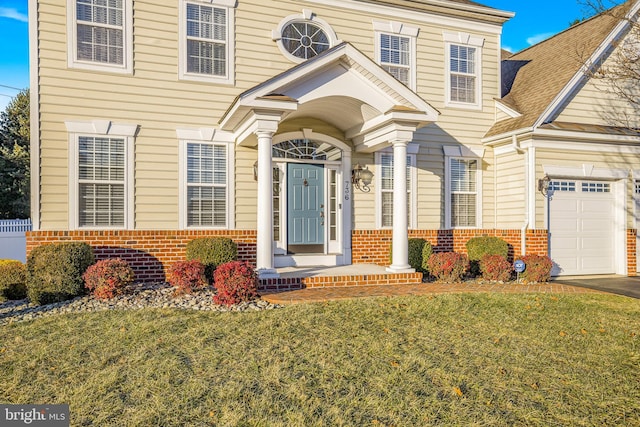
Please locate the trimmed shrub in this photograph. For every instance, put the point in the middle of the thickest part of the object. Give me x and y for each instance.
(212, 252)
(538, 269)
(427, 251)
(448, 266)
(12, 280)
(235, 282)
(54, 271)
(416, 254)
(495, 268)
(107, 278)
(478, 247)
(187, 276)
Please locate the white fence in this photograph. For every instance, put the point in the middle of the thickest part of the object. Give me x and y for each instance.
(13, 241)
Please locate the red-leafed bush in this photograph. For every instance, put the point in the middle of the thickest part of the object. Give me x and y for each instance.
(107, 278)
(187, 276)
(537, 269)
(448, 266)
(235, 282)
(495, 268)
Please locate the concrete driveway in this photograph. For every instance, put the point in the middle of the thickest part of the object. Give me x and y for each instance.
(621, 285)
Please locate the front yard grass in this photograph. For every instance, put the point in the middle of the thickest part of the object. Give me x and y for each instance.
(476, 359)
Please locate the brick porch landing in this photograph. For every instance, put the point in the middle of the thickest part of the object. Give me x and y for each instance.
(356, 275)
(349, 292)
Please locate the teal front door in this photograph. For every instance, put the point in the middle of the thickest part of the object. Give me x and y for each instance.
(305, 208)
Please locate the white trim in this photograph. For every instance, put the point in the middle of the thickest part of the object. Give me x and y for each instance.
(507, 110)
(306, 15)
(464, 40)
(101, 127)
(610, 149)
(204, 134)
(412, 150)
(399, 29)
(129, 185)
(34, 109)
(463, 151)
(182, 182)
(575, 135)
(423, 16)
(183, 74)
(585, 171)
(127, 39)
(557, 104)
(447, 187)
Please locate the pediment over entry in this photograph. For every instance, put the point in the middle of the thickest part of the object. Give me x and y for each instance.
(342, 87)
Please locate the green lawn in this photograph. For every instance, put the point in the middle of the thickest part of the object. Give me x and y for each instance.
(478, 359)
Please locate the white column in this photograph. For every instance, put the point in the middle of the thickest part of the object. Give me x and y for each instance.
(400, 256)
(264, 254)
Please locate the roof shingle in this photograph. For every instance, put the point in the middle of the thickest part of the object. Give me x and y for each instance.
(534, 77)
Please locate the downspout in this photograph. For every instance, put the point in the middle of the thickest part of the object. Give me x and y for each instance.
(523, 230)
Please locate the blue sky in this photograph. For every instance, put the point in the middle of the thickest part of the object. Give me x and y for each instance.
(533, 22)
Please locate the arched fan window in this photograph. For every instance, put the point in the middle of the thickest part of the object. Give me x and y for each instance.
(306, 149)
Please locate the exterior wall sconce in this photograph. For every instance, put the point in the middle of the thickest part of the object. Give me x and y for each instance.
(543, 185)
(361, 178)
(255, 171)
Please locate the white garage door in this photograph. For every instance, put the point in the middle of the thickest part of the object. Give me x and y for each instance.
(582, 227)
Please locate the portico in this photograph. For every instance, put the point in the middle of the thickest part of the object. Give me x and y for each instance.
(313, 208)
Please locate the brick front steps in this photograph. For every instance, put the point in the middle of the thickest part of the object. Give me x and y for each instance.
(333, 277)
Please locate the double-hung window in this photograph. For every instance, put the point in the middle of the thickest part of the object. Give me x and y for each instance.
(395, 56)
(101, 181)
(385, 186)
(462, 68)
(100, 34)
(463, 193)
(396, 50)
(463, 65)
(206, 198)
(207, 40)
(100, 174)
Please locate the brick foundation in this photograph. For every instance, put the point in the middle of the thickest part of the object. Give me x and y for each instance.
(372, 246)
(149, 253)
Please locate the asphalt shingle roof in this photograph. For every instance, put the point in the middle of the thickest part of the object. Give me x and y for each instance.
(533, 77)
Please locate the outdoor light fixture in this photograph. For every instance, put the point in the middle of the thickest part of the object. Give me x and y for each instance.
(255, 171)
(543, 185)
(361, 178)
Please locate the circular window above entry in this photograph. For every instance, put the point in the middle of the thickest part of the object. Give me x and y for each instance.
(304, 40)
(303, 36)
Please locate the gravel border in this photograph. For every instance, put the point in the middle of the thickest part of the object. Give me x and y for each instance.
(159, 295)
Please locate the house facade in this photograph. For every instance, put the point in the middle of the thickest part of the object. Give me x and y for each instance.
(264, 120)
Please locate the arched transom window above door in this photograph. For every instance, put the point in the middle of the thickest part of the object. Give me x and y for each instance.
(303, 36)
(306, 149)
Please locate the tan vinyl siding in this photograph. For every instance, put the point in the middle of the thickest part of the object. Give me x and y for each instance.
(597, 103)
(501, 115)
(511, 191)
(154, 98)
(594, 104)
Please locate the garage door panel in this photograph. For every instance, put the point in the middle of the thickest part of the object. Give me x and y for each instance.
(566, 226)
(582, 232)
